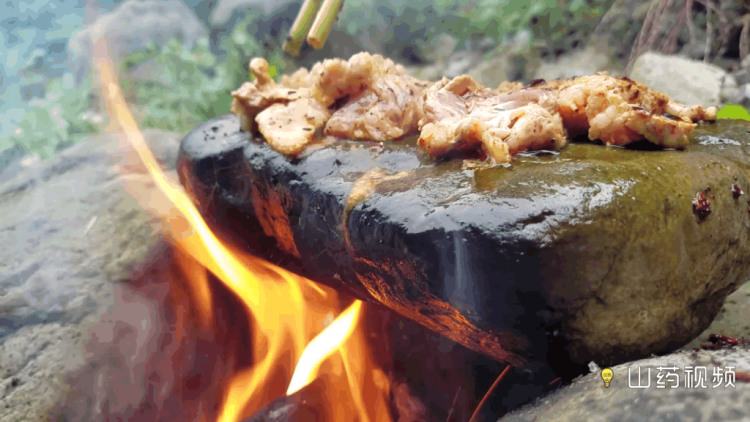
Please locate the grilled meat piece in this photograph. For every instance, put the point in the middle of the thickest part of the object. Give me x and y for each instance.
(370, 98)
(289, 128)
(620, 111)
(460, 115)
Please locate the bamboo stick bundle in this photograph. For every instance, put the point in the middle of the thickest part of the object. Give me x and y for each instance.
(316, 23)
(301, 26)
(324, 22)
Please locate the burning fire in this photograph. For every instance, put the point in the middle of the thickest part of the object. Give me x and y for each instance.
(292, 318)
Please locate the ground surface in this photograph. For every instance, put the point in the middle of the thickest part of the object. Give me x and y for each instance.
(588, 400)
(733, 319)
(68, 233)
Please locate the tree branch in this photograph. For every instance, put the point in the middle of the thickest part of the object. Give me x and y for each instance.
(709, 33)
(670, 44)
(655, 27)
(636, 49)
(689, 15)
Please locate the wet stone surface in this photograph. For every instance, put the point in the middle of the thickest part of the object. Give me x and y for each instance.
(592, 254)
(68, 234)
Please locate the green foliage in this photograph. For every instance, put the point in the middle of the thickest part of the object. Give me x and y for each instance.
(187, 87)
(177, 89)
(173, 88)
(552, 21)
(181, 87)
(56, 120)
(732, 111)
(555, 26)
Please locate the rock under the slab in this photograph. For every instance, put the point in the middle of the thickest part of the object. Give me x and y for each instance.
(68, 233)
(592, 254)
(686, 81)
(587, 399)
(733, 319)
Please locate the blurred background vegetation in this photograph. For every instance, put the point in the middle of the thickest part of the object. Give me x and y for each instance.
(45, 108)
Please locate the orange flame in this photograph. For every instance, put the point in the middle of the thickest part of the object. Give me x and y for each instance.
(323, 346)
(287, 310)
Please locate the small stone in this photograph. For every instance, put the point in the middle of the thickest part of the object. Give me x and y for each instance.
(736, 191)
(684, 80)
(701, 206)
(61, 273)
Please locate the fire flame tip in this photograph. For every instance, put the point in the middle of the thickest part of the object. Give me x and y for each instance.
(322, 346)
(283, 320)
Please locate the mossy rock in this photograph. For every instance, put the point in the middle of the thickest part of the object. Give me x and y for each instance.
(595, 253)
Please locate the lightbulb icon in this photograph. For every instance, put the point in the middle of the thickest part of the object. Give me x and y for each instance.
(607, 375)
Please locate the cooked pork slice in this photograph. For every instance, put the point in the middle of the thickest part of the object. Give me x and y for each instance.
(253, 97)
(299, 79)
(509, 87)
(335, 81)
(372, 97)
(460, 115)
(446, 99)
(386, 110)
(289, 127)
(692, 113)
(524, 127)
(368, 97)
(620, 111)
(383, 106)
(616, 122)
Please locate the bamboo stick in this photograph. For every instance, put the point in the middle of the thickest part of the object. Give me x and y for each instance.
(324, 22)
(301, 26)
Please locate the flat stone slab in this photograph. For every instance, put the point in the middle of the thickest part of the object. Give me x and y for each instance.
(593, 254)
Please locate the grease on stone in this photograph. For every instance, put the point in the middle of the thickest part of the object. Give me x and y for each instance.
(701, 206)
(736, 191)
(362, 189)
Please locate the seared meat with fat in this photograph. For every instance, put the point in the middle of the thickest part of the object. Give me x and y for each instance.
(385, 109)
(620, 111)
(290, 127)
(253, 97)
(370, 98)
(460, 114)
(366, 97)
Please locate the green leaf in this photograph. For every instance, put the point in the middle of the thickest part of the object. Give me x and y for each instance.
(6, 143)
(733, 111)
(577, 5)
(555, 17)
